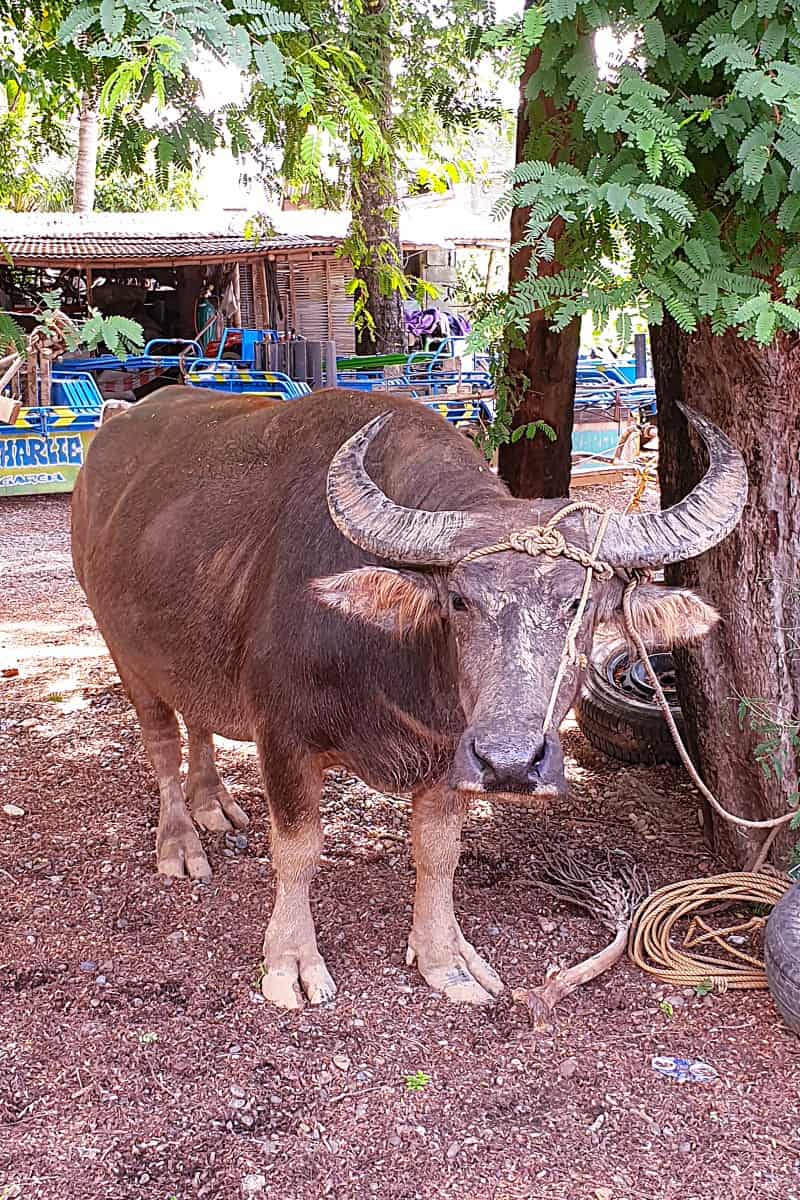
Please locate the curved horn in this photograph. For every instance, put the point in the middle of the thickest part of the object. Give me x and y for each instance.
(367, 517)
(693, 525)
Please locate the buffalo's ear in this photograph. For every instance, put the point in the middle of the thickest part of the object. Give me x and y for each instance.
(396, 601)
(667, 617)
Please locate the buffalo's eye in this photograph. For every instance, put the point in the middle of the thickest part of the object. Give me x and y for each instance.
(457, 602)
(571, 606)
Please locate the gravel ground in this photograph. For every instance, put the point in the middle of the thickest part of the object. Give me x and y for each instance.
(138, 1061)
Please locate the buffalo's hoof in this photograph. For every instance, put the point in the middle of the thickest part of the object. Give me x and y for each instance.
(216, 810)
(288, 984)
(180, 854)
(460, 973)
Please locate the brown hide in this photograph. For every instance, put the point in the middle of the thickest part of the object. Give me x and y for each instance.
(199, 521)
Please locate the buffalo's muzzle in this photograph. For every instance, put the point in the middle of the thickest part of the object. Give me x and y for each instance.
(521, 767)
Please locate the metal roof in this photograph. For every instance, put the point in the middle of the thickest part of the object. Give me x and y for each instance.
(52, 248)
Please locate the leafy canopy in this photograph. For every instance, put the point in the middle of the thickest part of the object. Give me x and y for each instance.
(678, 178)
(412, 85)
(140, 57)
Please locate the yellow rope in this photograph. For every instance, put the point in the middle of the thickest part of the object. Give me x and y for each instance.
(653, 935)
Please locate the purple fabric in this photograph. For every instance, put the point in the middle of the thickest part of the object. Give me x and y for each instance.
(435, 322)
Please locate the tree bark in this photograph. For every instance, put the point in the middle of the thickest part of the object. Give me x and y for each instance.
(374, 200)
(86, 164)
(541, 371)
(753, 577)
(376, 220)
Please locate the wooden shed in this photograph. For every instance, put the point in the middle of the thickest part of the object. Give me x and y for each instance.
(158, 273)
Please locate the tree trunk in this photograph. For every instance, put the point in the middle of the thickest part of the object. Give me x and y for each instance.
(86, 164)
(541, 372)
(375, 205)
(376, 222)
(547, 363)
(752, 577)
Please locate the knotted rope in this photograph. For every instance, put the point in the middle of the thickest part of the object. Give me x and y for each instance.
(550, 541)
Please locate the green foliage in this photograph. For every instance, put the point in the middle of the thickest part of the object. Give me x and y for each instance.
(674, 184)
(417, 1082)
(167, 188)
(778, 738)
(345, 109)
(119, 335)
(378, 270)
(135, 56)
(12, 338)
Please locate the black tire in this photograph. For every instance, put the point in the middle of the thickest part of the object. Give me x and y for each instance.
(782, 956)
(617, 711)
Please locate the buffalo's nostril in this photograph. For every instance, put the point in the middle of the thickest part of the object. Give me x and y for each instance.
(539, 753)
(508, 766)
(484, 760)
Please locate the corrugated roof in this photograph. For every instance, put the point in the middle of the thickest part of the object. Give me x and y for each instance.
(53, 248)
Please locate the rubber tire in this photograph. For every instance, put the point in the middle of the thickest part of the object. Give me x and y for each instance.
(622, 726)
(782, 956)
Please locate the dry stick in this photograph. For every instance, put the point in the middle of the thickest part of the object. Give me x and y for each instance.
(612, 897)
(562, 982)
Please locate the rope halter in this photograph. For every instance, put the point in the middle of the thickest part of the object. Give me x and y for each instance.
(550, 541)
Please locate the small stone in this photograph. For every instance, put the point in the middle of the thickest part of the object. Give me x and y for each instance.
(676, 999)
(176, 937)
(341, 1061)
(238, 1091)
(453, 1151)
(567, 1068)
(247, 1120)
(237, 1103)
(685, 1147)
(13, 810)
(603, 1193)
(235, 1051)
(546, 925)
(88, 966)
(107, 967)
(29, 724)
(395, 1141)
(253, 1184)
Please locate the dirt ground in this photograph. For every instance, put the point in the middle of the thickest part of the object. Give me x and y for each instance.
(137, 1060)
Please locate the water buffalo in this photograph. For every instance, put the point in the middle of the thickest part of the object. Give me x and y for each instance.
(300, 575)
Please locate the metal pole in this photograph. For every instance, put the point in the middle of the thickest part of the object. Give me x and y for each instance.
(640, 354)
(330, 364)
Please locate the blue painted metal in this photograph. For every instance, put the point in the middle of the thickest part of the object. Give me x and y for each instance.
(76, 391)
(229, 377)
(189, 343)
